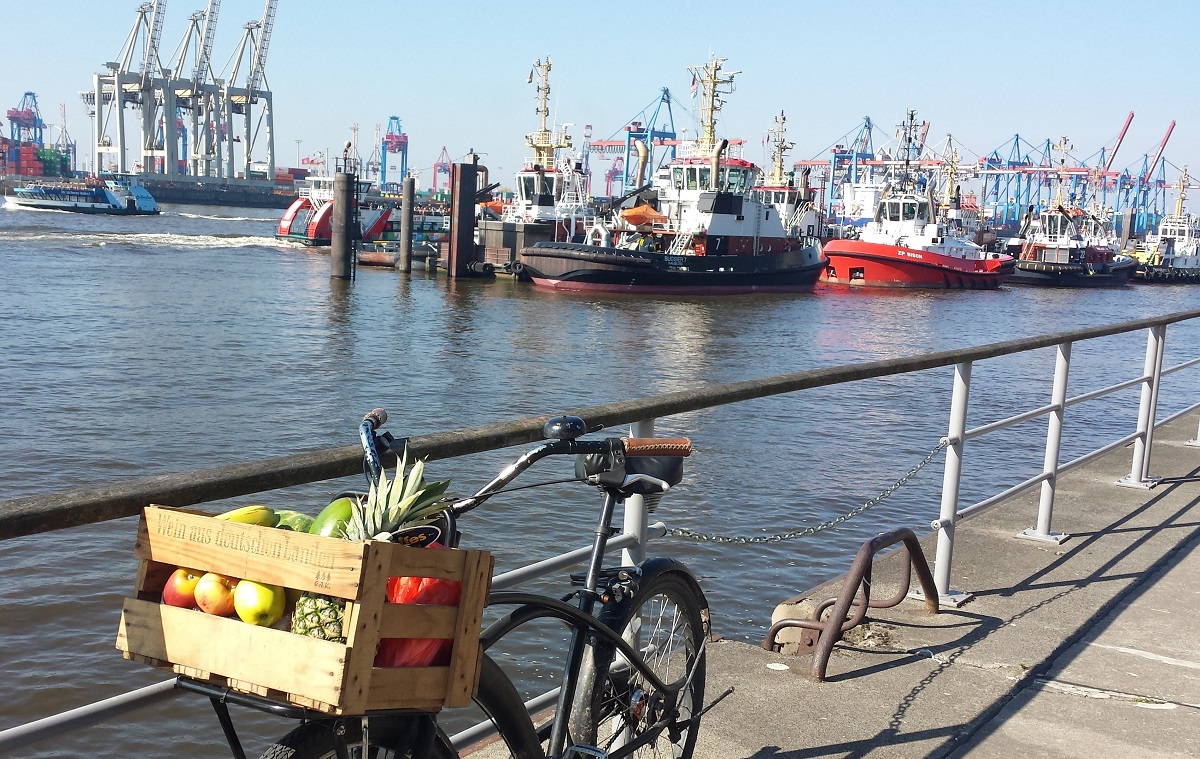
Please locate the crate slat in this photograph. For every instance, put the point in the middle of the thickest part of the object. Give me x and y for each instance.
(401, 688)
(417, 621)
(234, 649)
(247, 551)
(407, 561)
(466, 659)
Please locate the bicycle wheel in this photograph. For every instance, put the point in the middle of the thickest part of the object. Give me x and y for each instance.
(392, 738)
(396, 738)
(666, 625)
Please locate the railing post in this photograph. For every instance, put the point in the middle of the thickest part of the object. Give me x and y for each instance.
(637, 518)
(950, 484)
(1058, 399)
(1152, 371)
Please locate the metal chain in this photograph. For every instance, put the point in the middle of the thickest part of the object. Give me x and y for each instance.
(683, 532)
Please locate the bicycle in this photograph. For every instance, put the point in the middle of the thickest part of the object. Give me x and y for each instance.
(633, 683)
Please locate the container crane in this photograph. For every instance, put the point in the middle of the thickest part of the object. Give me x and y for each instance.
(441, 166)
(255, 43)
(651, 128)
(375, 162)
(396, 143)
(123, 84)
(25, 121)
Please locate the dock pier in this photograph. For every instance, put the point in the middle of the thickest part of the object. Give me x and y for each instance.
(1085, 649)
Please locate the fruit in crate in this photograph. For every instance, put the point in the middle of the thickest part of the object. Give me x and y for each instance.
(332, 521)
(180, 589)
(214, 594)
(255, 514)
(259, 603)
(293, 520)
(403, 501)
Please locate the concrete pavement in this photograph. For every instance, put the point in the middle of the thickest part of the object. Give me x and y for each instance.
(1088, 649)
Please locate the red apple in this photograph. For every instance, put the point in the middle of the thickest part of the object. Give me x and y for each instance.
(180, 589)
(214, 594)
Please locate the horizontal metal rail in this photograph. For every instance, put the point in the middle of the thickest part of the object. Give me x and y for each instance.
(85, 716)
(42, 513)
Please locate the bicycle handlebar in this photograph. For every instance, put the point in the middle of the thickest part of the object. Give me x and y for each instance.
(657, 446)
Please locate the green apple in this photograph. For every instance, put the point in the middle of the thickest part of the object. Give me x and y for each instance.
(259, 603)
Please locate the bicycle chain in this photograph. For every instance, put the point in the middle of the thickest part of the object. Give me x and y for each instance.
(683, 532)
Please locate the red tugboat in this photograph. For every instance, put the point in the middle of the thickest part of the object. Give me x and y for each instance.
(907, 246)
(698, 230)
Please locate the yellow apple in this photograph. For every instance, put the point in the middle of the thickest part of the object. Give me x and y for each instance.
(259, 603)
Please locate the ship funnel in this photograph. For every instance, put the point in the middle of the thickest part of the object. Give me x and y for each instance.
(642, 156)
(716, 163)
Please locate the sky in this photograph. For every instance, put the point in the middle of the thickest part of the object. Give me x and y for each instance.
(455, 72)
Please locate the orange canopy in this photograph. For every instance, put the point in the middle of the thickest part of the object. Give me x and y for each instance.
(642, 215)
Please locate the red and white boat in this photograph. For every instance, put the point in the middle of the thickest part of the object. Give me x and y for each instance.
(309, 219)
(907, 245)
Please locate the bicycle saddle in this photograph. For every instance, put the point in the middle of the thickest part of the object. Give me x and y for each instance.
(620, 473)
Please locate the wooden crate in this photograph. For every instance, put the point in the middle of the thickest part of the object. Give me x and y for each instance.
(318, 674)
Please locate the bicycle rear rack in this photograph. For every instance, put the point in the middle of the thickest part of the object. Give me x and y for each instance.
(821, 635)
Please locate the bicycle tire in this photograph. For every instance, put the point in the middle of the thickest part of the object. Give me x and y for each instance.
(617, 708)
(497, 697)
(319, 739)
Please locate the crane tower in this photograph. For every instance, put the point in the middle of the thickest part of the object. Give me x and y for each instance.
(396, 143)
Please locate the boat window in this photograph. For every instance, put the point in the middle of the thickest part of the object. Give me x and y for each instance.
(527, 190)
(910, 210)
(548, 184)
(893, 210)
(691, 177)
(705, 177)
(923, 211)
(677, 178)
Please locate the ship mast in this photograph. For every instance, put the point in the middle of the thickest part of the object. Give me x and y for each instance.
(780, 149)
(951, 161)
(1062, 147)
(543, 141)
(711, 82)
(1183, 180)
(909, 133)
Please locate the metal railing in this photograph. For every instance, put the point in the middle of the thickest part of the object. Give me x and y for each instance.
(42, 513)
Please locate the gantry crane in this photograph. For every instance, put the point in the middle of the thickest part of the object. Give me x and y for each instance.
(396, 143)
(240, 101)
(441, 166)
(25, 121)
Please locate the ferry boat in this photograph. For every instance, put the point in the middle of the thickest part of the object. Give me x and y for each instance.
(699, 229)
(119, 194)
(309, 219)
(1065, 246)
(909, 244)
(1172, 254)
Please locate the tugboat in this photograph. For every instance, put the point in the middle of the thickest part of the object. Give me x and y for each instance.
(909, 245)
(1173, 253)
(119, 194)
(699, 229)
(1066, 246)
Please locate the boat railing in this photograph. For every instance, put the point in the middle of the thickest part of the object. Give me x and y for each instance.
(38, 514)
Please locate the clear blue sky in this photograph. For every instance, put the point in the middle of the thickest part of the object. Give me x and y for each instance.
(455, 72)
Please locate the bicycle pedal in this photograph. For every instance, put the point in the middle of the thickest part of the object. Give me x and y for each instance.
(578, 752)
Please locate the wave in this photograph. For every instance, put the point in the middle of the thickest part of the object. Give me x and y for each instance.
(145, 240)
(220, 218)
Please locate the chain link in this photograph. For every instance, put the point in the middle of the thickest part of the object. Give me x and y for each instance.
(683, 532)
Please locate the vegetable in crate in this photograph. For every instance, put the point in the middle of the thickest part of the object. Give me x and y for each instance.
(418, 652)
(404, 501)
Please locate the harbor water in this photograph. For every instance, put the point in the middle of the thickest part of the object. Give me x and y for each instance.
(151, 345)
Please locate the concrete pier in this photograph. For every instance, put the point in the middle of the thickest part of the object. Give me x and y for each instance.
(1086, 649)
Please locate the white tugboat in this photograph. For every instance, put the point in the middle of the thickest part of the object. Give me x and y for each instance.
(699, 229)
(1173, 253)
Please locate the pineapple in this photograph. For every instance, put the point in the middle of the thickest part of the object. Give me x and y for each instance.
(404, 501)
